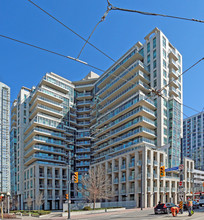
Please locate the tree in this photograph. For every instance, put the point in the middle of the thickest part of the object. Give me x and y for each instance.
(5, 204)
(96, 185)
(29, 202)
(39, 200)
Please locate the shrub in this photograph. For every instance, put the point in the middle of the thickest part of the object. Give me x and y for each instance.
(87, 208)
(42, 212)
(35, 215)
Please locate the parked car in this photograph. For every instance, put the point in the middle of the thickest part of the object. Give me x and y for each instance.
(201, 201)
(161, 208)
(195, 205)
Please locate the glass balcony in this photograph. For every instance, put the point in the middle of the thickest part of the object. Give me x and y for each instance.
(123, 179)
(115, 181)
(123, 167)
(132, 164)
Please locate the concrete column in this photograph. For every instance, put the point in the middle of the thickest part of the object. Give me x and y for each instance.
(113, 175)
(151, 179)
(60, 192)
(36, 183)
(144, 179)
(119, 178)
(53, 190)
(127, 176)
(136, 180)
(45, 191)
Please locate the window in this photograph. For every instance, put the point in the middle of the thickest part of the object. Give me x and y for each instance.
(148, 47)
(165, 121)
(179, 58)
(24, 112)
(154, 64)
(164, 63)
(165, 92)
(24, 120)
(148, 58)
(165, 131)
(154, 54)
(155, 73)
(141, 52)
(164, 53)
(165, 103)
(164, 41)
(165, 140)
(148, 67)
(164, 73)
(179, 69)
(164, 82)
(155, 82)
(24, 104)
(154, 42)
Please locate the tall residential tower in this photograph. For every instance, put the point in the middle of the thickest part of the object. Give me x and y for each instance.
(4, 138)
(193, 139)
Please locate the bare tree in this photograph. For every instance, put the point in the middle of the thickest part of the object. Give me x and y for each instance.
(5, 204)
(96, 185)
(15, 202)
(39, 200)
(29, 202)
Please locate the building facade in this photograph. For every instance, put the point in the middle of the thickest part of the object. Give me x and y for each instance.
(47, 122)
(193, 139)
(4, 138)
(105, 120)
(137, 173)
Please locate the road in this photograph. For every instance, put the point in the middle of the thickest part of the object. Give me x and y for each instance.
(129, 214)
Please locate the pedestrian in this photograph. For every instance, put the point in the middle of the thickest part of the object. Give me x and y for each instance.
(190, 207)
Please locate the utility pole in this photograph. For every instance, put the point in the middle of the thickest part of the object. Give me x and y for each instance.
(181, 176)
(69, 184)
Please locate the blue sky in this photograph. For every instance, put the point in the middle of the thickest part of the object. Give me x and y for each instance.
(24, 66)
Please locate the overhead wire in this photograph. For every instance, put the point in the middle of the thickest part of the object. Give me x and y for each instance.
(153, 14)
(68, 28)
(181, 74)
(53, 52)
(102, 19)
(109, 8)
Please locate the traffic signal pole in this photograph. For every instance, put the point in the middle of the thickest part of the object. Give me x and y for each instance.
(181, 172)
(69, 183)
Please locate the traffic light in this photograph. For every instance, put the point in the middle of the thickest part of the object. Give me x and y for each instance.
(76, 177)
(162, 171)
(67, 196)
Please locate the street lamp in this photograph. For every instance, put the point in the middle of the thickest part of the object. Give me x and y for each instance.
(8, 195)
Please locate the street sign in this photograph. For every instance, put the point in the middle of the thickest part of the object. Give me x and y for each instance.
(181, 196)
(181, 166)
(171, 169)
(180, 183)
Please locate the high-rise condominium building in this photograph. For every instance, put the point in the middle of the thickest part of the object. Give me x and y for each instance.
(99, 119)
(125, 116)
(47, 122)
(4, 138)
(193, 139)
